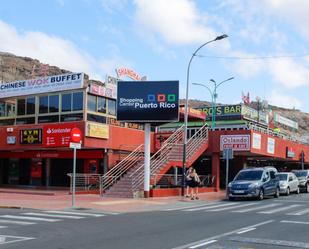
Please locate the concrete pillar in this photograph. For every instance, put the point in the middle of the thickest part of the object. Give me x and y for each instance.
(47, 171)
(215, 169)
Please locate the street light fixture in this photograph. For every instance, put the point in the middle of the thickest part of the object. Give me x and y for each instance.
(184, 158)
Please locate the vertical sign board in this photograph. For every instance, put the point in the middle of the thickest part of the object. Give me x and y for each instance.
(148, 101)
(256, 141)
(271, 145)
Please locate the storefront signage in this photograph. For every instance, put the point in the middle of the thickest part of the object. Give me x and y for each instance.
(148, 101)
(290, 153)
(42, 85)
(235, 142)
(123, 71)
(271, 145)
(31, 136)
(11, 140)
(285, 121)
(97, 130)
(223, 112)
(57, 135)
(109, 90)
(256, 141)
(194, 113)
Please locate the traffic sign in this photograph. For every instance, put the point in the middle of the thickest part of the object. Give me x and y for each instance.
(228, 153)
(75, 145)
(76, 135)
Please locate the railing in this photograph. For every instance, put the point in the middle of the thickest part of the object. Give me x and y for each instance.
(170, 151)
(85, 182)
(172, 180)
(113, 175)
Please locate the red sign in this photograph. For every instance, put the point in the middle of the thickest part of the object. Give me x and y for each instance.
(57, 135)
(76, 135)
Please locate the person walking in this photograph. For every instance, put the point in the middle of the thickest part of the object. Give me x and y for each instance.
(188, 181)
(195, 182)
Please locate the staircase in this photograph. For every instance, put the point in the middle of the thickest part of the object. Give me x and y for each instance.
(130, 183)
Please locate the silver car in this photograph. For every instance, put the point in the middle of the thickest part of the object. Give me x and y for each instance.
(288, 182)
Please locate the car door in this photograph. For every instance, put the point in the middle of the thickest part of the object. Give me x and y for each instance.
(266, 183)
(291, 183)
(273, 182)
(295, 182)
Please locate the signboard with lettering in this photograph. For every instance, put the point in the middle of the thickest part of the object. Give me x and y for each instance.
(290, 152)
(42, 85)
(235, 142)
(31, 136)
(109, 90)
(97, 130)
(223, 112)
(256, 141)
(285, 121)
(57, 135)
(148, 101)
(271, 145)
(123, 71)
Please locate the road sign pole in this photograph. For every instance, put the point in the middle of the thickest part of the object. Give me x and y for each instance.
(74, 177)
(147, 161)
(227, 172)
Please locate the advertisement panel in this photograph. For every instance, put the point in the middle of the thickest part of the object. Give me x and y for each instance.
(270, 145)
(42, 85)
(97, 130)
(285, 121)
(252, 114)
(57, 135)
(256, 141)
(31, 136)
(148, 101)
(290, 152)
(235, 142)
(109, 90)
(223, 112)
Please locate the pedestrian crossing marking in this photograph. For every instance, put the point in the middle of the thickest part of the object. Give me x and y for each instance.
(256, 208)
(16, 222)
(3, 226)
(75, 213)
(279, 209)
(301, 212)
(209, 207)
(228, 208)
(54, 215)
(29, 218)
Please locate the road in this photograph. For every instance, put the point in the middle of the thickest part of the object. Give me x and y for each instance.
(271, 223)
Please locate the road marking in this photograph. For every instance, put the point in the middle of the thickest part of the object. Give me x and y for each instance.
(284, 243)
(192, 206)
(75, 213)
(295, 222)
(227, 208)
(301, 212)
(17, 222)
(54, 215)
(255, 208)
(279, 209)
(203, 244)
(28, 218)
(216, 237)
(6, 239)
(209, 207)
(3, 226)
(246, 230)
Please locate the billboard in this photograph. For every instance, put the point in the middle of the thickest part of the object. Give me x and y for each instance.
(148, 101)
(235, 142)
(285, 121)
(42, 85)
(223, 112)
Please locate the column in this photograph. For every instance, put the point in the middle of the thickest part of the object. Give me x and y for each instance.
(215, 169)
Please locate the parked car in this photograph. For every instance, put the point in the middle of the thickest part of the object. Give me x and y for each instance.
(254, 183)
(303, 178)
(288, 182)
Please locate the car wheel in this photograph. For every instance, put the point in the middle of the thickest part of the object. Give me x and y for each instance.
(288, 191)
(277, 193)
(231, 198)
(297, 191)
(261, 194)
(307, 188)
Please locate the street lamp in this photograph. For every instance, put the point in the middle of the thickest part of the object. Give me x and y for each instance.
(213, 95)
(186, 112)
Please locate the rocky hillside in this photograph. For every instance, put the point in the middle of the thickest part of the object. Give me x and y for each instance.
(14, 68)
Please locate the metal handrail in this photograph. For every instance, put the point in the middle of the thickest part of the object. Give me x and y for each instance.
(113, 175)
(85, 182)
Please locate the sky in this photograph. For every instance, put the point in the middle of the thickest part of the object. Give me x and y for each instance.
(266, 51)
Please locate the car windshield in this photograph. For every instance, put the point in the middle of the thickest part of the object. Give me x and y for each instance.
(282, 177)
(249, 175)
(300, 173)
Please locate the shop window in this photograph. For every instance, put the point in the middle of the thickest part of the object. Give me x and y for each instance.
(96, 118)
(30, 105)
(72, 117)
(66, 102)
(43, 104)
(2, 109)
(21, 107)
(10, 109)
(48, 119)
(20, 121)
(78, 101)
(101, 105)
(53, 103)
(112, 107)
(92, 103)
(6, 122)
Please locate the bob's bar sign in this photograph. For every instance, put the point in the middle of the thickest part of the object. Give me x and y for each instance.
(42, 85)
(148, 101)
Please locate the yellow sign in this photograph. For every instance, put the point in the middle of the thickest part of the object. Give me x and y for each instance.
(97, 130)
(31, 136)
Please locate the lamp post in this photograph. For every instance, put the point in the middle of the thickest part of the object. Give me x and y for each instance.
(213, 95)
(184, 158)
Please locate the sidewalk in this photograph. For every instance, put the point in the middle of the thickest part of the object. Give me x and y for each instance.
(60, 200)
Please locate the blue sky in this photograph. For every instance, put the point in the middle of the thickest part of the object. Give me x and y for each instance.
(266, 52)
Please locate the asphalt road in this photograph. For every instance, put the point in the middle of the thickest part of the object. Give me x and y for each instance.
(271, 223)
